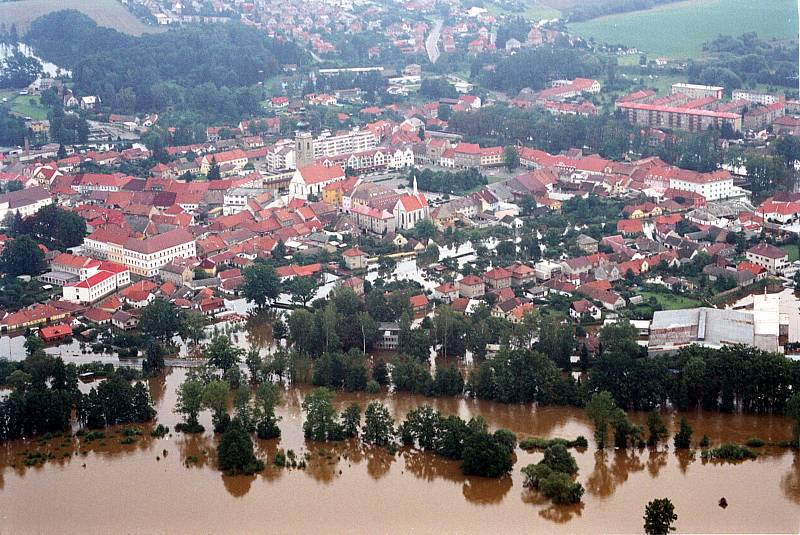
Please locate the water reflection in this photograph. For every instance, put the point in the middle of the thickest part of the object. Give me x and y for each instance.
(790, 482)
(238, 486)
(418, 485)
(486, 491)
(561, 514)
(656, 460)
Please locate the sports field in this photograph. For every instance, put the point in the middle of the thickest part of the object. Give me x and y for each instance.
(679, 30)
(109, 13)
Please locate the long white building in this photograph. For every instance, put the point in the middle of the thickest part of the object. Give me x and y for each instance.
(346, 143)
(25, 202)
(142, 256)
(712, 186)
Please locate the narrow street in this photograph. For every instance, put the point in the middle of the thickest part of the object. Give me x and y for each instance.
(432, 42)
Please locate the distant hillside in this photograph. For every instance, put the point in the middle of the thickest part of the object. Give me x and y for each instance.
(680, 29)
(580, 10)
(108, 13)
(213, 70)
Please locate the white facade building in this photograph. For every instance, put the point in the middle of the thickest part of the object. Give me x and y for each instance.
(765, 99)
(712, 186)
(104, 278)
(25, 202)
(347, 143)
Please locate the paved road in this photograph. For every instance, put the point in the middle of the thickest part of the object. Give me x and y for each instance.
(432, 42)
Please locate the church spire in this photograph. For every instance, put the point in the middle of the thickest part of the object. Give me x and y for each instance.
(415, 186)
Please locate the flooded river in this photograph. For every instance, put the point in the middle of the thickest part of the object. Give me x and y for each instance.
(147, 487)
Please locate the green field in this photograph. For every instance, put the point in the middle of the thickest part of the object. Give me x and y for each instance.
(23, 105)
(109, 13)
(794, 253)
(534, 10)
(671, 301)
(679, 30)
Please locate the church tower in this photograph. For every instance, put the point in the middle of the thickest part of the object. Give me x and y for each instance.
(303, 143)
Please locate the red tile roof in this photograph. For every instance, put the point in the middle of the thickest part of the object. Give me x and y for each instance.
(314, 174)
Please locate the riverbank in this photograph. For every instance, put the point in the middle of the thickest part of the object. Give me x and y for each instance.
(411, 491)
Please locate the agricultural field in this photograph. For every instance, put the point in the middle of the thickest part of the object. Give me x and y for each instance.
(109, 13)
(679, 30)
(534, 10)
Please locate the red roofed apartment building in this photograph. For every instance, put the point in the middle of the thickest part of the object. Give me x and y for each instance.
(674, 112)
(311, 179)
(498, 278)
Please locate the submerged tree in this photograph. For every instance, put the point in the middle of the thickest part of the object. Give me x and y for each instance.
(235, 453)
(659, 515)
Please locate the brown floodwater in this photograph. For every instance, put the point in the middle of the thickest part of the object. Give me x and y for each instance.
(148, 487)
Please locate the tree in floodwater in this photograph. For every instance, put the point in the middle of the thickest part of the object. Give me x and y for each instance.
(268, 396)
(486, 455)
(793, 412)
(683, 438)
(215, 398)
(189, 404)
(321, 423)
(659, 515)
(601, 410)
(235, 453)
(657, 431)
(378, 425)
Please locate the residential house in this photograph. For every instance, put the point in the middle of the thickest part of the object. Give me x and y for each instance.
(773, 259)
(445, 292)
(498, 278)
(355, 258)
(583, 309)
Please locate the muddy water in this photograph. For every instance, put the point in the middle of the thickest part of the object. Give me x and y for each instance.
(116, 488)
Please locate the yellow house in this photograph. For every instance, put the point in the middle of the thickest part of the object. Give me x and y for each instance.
(236, 157)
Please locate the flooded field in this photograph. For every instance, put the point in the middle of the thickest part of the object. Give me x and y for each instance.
(148, 487)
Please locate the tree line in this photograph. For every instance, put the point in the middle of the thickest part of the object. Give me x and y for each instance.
(45, 393)
(581, 11)
(211, 70)
(745, 61)
(610, 136)
(535, 67)
(452, 182)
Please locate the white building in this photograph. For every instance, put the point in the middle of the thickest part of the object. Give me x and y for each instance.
(281, 156)
(349, 142)
(310, 180)
(142, 257)
(235, 200)
(103, 279)
(765, 99)
(699, 91)
(712, 186)
(25, 202)
(771, 258)
(411, 208)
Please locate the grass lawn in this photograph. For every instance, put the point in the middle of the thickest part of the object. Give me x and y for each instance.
(671, 301)
(794, 253)
(28, 106)
(679, 30)
(109, 13)
(534, 9)
(23, 105)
